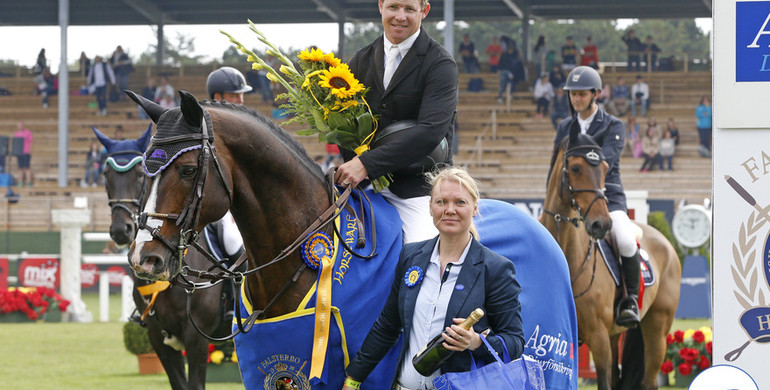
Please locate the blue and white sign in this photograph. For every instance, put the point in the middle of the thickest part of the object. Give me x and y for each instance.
(752, 46)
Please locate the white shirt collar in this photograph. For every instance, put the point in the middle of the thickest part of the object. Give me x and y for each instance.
(403, 47)
(585, 123)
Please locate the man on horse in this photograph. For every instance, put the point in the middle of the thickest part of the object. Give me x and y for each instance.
(227, 84)
(584, 85)
(419, 84)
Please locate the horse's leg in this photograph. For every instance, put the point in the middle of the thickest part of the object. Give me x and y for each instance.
(594, 333)
(655, 325)
(197, 356)
(615, 369)
(172, 360)
(207, 314)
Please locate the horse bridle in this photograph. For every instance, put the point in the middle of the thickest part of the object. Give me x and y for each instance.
(188, 219)
(124, 203)
(575, 221)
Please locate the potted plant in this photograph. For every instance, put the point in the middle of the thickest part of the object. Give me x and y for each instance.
(137, 341)
(687, 354)
(223, 363)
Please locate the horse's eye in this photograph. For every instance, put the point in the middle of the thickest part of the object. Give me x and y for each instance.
(575, 169)
(188, 171)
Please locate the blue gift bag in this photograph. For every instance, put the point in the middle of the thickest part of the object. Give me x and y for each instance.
(521, 374)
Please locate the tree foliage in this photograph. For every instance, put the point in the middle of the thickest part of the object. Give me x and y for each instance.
(674, 36)
(180, 52)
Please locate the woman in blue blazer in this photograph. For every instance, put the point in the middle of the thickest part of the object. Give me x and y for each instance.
(438, 283)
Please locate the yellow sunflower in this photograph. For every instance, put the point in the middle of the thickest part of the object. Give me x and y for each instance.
(332, 60)
(312, 55)
(340, 80)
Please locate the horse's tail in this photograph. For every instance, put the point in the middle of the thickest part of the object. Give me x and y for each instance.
(633, 360)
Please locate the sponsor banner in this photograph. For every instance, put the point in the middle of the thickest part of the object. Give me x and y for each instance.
(39, 272)
(89, 275)
(116, 273)
(3, 273)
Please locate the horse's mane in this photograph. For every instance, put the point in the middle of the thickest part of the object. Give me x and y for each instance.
(556, 148)
(279, 133)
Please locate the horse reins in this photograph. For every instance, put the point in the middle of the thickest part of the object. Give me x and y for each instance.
(188, 219)
(575, 221)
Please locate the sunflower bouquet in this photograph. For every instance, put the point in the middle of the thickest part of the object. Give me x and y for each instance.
(322, 93)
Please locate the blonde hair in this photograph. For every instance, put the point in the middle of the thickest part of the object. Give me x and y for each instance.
(460, 176)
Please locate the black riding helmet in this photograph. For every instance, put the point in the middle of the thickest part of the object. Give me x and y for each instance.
(226, 79)
(582, 78)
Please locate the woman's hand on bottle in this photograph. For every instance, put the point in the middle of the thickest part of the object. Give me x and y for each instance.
(459, 339)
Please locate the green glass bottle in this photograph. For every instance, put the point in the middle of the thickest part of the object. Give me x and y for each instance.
(430, 358)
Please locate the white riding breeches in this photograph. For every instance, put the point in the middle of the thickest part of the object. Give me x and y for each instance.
(417, 224)
(624, 233)
(231, 237)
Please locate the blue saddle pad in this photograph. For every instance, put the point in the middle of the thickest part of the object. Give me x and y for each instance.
(613, 264)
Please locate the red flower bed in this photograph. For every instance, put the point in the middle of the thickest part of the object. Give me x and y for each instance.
(688, 352)
(33, 302)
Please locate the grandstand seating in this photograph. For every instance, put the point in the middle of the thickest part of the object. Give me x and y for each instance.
(510, 159)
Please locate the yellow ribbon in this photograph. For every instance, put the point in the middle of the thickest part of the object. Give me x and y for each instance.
(363, 148)
(152, 289)
(322, 318)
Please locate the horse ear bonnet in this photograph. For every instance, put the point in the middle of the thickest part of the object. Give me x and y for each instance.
(585, 146)
(178, 130)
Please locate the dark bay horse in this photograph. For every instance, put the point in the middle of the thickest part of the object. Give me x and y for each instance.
(168, 325)
(208, 157)
(574, 196)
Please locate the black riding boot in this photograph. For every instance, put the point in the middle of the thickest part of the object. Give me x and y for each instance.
(628, 310)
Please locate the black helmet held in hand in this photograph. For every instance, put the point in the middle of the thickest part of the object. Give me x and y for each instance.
(226, 79)
(583, 78)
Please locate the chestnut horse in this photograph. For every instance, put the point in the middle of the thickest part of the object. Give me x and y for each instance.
(167, 323)
(574, 196)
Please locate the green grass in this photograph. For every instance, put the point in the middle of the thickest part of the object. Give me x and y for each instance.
(91, 356)
(75, 356)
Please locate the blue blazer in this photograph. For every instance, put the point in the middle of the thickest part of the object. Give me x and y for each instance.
(490, 283)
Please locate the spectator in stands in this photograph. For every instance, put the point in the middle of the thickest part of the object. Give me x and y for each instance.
(672, 128)
(633, 138)
(50, 86)
(634, 48)
(93, 165)
(651, 149)
(651, 51)
(167, 101)
(163, 90)
(569, 54)
(538, 56)
(620, 102)
(85, 64)
(101, 74)
(25, 158)
(507, 67)
(703, 115)
(494, 50)
(604, 96)
(640, 94)
(556, 77)
(559, 107)
(589, 56)
(468, 53)
(543, 95)
(121, 65)
(149, 93)
(667, 149)
(40, 64)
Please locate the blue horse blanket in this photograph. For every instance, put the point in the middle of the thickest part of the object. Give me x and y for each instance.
(547, 305)
(277, 351)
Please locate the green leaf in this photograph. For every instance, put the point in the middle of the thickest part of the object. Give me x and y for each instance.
(307, 132)
(337, 120)
(364, 125)
(342, 138)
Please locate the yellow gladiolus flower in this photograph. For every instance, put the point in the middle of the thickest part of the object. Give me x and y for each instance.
(341, 82)
(285, 70)
(272, 77)
(234, 357)
(217, 357)
(688, 333)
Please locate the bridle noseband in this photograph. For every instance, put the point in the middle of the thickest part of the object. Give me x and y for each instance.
(579, 150)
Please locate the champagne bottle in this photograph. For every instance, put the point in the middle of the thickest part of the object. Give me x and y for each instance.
(430, 358)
